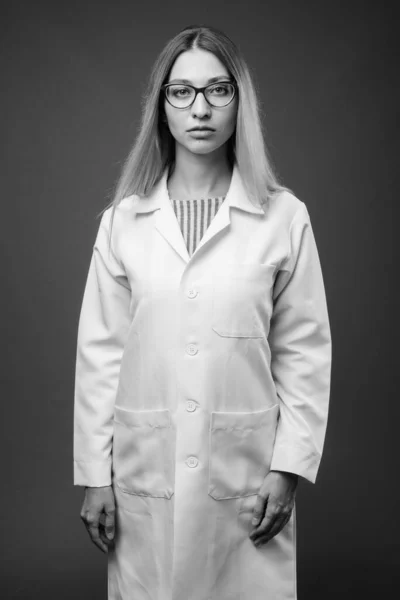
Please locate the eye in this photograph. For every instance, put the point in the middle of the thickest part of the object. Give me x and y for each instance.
(180, 91)
(220, 89)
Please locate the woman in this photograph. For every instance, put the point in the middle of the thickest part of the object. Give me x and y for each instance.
(204, 349)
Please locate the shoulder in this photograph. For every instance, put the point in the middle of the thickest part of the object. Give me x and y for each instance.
(122, 213)
(286, 208)
(115, 223)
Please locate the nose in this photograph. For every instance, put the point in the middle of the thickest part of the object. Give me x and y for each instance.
(200, 106)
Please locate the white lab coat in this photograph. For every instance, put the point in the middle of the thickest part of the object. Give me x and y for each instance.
(194, 377)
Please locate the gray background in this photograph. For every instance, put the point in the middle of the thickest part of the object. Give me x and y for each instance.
(72, 78)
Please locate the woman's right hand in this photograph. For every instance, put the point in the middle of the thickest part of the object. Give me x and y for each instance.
(98, 515)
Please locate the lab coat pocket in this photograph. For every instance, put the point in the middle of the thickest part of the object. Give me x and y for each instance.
(143, 447)
(242, 299)
(240, 451)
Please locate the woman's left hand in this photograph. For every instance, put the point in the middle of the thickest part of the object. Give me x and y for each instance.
(274, 506)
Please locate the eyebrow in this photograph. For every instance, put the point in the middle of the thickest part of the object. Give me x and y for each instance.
(212, 80)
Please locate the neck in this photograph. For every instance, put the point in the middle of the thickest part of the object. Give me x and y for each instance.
(199, 175)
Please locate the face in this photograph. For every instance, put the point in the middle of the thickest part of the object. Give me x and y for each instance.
(198, 67)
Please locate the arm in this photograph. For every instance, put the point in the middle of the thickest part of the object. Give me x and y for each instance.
(103, 327)
(300, 343)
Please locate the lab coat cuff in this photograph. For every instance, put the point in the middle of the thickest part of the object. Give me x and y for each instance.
(296, 459)
(92, 474)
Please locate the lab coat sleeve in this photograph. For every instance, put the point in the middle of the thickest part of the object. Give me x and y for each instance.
(102, 331)
(300, 343)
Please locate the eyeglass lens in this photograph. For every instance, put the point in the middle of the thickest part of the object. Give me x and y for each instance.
(181, 96)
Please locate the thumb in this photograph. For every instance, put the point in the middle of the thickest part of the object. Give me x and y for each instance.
(258, 512)
(109, 525)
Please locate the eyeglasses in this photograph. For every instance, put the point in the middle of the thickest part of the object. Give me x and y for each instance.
(181, 95)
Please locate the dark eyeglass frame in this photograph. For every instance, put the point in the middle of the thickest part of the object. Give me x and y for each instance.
(197, 90)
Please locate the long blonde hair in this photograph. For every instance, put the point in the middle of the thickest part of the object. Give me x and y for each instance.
(154, 148)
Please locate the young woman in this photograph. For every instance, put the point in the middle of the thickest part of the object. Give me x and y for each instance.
(204, 347)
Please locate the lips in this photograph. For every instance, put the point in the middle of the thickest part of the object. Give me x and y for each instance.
(201, 129)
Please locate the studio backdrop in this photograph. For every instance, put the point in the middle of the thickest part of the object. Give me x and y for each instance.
(73, 75)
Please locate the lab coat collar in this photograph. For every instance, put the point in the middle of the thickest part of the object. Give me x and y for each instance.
(167, 224)
(236, 195)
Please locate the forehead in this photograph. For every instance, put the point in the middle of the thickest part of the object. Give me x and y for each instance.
(198, 66)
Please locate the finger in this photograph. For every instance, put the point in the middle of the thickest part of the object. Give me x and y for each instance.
(95, 537)
(92, 527)
(259, 510)
(276, 528)
(270, 515)
(104, 538)
(110, 524)
(286, 521)
(107, 528)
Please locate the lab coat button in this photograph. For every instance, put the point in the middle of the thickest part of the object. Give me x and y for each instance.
(191, 349)
(192, 461)
(190, 406)
(192, 293)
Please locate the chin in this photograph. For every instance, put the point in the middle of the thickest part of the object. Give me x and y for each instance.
(199, 147)
(203, 146)
(203, 150)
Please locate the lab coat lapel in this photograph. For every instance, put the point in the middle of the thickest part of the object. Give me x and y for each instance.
(236, 197)
(167, 224)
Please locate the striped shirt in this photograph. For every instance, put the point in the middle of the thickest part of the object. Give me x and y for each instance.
(194, 216)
